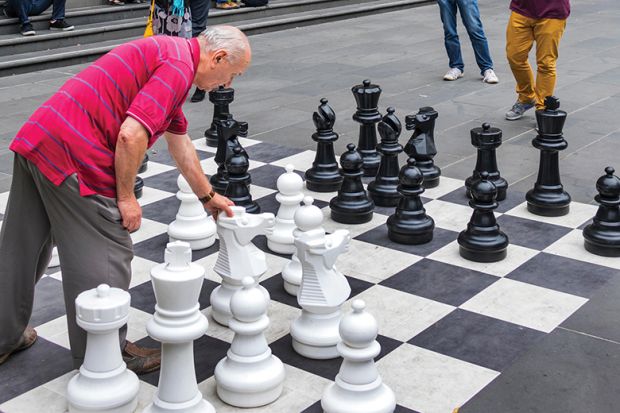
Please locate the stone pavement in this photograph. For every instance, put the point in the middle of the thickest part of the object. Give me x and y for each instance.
(403, 52)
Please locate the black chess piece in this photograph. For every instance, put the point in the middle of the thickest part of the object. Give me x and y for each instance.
(421, 145)
(602, 236)
(238, 189)
(487, 139)
(384, 188)
(137, 187)
(367, 114)
(351, 205)
(548, 197)
(483, 241)
(221, 98)
(145, 164)
(410, 224)
(324, 175)
(228, 132)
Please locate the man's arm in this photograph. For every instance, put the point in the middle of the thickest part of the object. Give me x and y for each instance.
(184, 154)
(130, 148)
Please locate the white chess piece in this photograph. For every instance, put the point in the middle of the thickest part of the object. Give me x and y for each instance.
(249, 376)
(177, 322)
(291, 273)
(323, 288)
(238, 257)
(103, 384)
(290, 193)
(358, 386)
(192, 223)
(54, 261)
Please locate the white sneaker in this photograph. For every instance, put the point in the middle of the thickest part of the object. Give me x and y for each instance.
(489, 76)
(453, 74)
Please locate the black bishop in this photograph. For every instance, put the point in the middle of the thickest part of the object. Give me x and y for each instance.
(383, 190)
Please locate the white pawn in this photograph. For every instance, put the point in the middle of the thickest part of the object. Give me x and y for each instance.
(249, 376)
(323, 288)
(192, 223)
(290, 193)
(54, 261)
(238, 257)
(358, 387)
(177, 322)
(103, 384)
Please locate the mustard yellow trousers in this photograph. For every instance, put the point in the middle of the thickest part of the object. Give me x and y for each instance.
(521, 34)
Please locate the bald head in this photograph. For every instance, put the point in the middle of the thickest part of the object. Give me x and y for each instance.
(227, 38)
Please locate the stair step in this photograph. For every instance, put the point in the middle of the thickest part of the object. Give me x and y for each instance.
(87, 42)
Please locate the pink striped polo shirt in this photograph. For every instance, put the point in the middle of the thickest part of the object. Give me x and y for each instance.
(75, 131)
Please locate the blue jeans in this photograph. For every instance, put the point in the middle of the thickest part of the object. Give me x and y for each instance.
(200, 12)
(471, 20)
(24, 8)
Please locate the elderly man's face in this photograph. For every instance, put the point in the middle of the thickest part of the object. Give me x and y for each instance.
(220, 71)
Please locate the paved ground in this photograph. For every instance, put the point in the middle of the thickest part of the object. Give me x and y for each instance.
(403, 52)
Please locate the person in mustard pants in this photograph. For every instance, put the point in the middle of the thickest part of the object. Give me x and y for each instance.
(532, 21)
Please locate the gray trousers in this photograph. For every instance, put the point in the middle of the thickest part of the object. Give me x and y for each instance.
(93, 248)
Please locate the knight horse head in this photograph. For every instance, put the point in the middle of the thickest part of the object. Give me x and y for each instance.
(419, 143)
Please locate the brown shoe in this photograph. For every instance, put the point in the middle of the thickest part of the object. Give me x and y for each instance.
(29, 336)
(141, 360)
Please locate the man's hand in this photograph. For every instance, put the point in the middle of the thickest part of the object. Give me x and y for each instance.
(218, 204)
(131, 212)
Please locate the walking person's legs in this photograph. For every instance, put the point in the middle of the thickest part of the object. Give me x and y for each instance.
(547, 33)
(519, 41)
(447, 11)
(470, 14)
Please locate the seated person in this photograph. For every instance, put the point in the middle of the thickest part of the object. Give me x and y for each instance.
(22, 9)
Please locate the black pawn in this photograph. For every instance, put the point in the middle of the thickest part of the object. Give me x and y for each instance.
(137, 187)
(421, 145)
(351, 205)
(367, 114)
(324, 175)
(483, 241)
(238, 189)
(384, 189)
(548, 197)
(221, 98)
(487, 139)
(410, 224)
(602, 236)
(228, 131)
(145, 164)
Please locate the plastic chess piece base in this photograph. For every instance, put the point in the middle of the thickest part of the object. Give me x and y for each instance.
(220, 301)
(409, 237)
(602, 249)
(548, 204)
(280, 247)
(431, 183)
(384, 198)
(351, 217)
(316, 336)
(196, 405)
(138, 187)
(431, 175)
(291, 275)
(198, 244)
(250, 208)
(121, 388)
(324, 186)
(243, 385)
(211, 142)
(341, 397)
(482, 255)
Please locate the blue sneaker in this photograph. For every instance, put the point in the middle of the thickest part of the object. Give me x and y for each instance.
(518, 109)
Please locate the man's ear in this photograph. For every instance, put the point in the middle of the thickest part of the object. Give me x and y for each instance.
(219, 55)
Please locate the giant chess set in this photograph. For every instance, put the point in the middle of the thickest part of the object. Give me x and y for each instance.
(342, 284)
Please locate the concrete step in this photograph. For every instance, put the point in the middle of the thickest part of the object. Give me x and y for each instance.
(87, 42)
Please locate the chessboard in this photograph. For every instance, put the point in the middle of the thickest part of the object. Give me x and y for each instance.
(447, 326)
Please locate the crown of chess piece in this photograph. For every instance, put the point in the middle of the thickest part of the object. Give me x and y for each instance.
(324, 175)
(367, 115)
(238, 256)
(421, 145)
(138, 187)
(483, 241)
(145, 164)
(103, 382)
(486, 140)
(177, 322)
(548, 197)
(323, 288)
(358, 386)
(602, 236)
(192, 224)
(409, 224)
(352, 204)
(290, 194)
(228, 131)
(383, 189)
(238, 189)
(250, 375)
(221, 98)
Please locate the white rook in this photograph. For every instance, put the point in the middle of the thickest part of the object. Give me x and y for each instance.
(177, 322)
(103, 383)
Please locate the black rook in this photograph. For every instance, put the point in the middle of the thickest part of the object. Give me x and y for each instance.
(367, 98)
(487, 139)
(221, 98)
(602, 236)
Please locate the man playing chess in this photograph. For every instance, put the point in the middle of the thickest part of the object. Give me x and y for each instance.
(75, 165)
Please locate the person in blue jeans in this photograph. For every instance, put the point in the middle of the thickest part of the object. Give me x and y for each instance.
(200, 13)
(22, 9)
(471, 20)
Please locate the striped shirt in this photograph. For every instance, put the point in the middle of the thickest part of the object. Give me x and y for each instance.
(75, 131)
